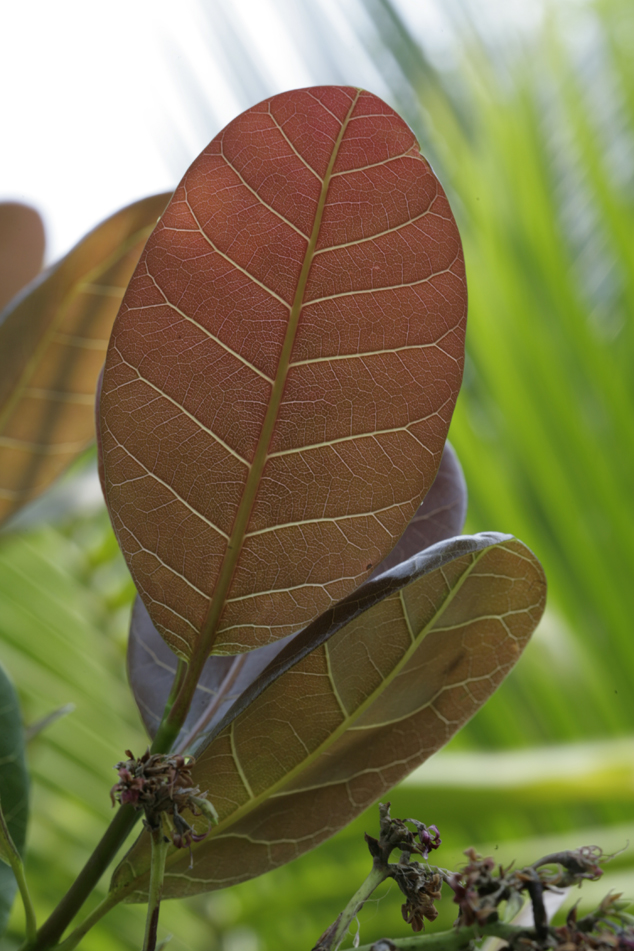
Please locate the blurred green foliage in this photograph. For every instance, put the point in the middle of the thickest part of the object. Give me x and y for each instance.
(534, 141)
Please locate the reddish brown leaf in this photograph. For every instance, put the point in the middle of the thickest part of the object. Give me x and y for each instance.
(53, 339)
(396, 670)
(283, 370)
(21, 248)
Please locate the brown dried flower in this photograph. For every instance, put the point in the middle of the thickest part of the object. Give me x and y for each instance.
(163, 784)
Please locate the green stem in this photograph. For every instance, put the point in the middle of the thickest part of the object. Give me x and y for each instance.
(75, 937)
(114, 836)
(175, 716)
(179, 676)
(455, 940)
(157, 873)
(29, 912)
(356, 903)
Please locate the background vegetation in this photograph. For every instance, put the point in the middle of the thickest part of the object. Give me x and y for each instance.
(533, 139)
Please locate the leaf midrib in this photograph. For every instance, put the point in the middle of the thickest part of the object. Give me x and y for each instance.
(209, 630)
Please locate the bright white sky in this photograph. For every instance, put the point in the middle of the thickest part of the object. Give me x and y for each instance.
(104, 103)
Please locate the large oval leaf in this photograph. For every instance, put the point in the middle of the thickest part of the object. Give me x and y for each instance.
(21, 248)
(152, 665)
(283, 370)
(14, 786)
(385, 681)
(53, 339)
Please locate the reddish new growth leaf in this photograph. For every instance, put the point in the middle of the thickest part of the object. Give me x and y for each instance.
(283, 369)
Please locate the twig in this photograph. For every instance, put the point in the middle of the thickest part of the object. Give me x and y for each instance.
(453, 940)
(333, 936)
(160, 843)
(96, 915)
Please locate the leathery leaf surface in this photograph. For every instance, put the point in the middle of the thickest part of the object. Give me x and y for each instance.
(283, 370)
(53, 340)
(380, 682)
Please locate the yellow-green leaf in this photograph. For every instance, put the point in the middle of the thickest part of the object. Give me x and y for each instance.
(53, 340)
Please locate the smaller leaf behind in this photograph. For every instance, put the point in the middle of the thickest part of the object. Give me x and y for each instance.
(152, 665)
(441, 514)
(354, 703)
(53, 339)
(14, 786)
(151, 669)
(21, 248)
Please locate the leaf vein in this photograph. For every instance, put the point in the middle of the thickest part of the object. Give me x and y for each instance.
(259, 197)
(292, 147)
(376, 290)
(230, 260)
(173, 491)
(317, 521)
(180, 407)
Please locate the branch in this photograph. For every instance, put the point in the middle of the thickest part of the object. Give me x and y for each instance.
(114, 836)
(452, 940)
(334, 935)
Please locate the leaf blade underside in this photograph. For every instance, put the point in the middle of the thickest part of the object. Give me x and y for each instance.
(14, 786)
(357, 713)
(272, 424)
(152, 665)
(53, 339)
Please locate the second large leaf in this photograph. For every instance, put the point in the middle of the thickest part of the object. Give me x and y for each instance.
(354, 703)
(283, 371)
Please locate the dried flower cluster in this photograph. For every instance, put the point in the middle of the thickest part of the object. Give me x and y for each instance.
(420, 885)
(481, 885)
(479, 889)
(395, 835)
(163, 784)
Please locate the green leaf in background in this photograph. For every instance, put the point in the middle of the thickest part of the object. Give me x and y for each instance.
(14, 787)
(64, 598)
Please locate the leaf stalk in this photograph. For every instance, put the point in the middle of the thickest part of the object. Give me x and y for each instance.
(114, 837)
(171, 724)
(29, 911)
(10, 855)
(96, 915)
